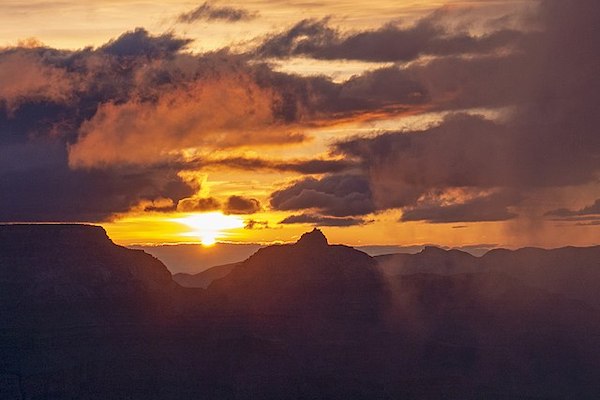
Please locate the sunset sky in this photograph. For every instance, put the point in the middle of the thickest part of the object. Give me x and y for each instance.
(384, 122)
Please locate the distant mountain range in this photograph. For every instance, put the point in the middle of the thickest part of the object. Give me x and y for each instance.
(570, 271)
(84, 318)
(204, 278)
(194, 259)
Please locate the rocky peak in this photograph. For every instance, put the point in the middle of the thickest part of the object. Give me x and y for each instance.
(431, 250)
(314, 238)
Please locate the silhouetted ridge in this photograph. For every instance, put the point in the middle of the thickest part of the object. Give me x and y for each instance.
(47, 269)
(429, 260)
(21, 239)
(430, 250)
(570, 271)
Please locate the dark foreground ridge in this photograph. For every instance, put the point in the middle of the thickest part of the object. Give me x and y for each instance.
(84, 318)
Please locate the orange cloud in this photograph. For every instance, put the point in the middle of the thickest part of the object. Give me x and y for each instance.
(223, 112)
(23, 76)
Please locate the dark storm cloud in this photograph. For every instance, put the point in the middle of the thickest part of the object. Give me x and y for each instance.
(445, 155)
(310, 99)
(47, 190)
(316, 39)
(463, 152)
(198, 204)
(383, 86)
(334, 195)
(547, 137)
(457, 83)
(319, 220)
(140, 43)
(494, 207)
(241, 205)
(593, 209)
(210, 12)
(30, 119)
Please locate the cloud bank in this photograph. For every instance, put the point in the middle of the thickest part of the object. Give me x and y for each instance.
(99, 131)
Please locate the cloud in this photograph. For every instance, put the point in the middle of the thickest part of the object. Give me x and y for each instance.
(125, 117)
(48, 190)
(593, 209)
(493, 207)
(24, 77)
(195, 204)
(241, 205)
(316, 99)
(220, 113)
(210, 12)
(97, 132)
(383, 86)
(316, 39)
(546, 135)
(314, 166)
(319, 220)
(141, 93)
(256, 224)
(333, 195)
(404, 166)
(139, 42)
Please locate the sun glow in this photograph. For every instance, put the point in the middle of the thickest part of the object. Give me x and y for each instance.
(209, 227)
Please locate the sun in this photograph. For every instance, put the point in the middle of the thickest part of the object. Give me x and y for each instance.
(209, 227)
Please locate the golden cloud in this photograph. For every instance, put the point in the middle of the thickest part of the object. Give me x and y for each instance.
(223, 112)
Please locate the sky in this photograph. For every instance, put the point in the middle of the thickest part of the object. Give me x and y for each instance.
(457, 123)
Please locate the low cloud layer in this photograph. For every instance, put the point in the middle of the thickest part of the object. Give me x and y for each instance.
(428, 36)
(493, 207)
(308, 166)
